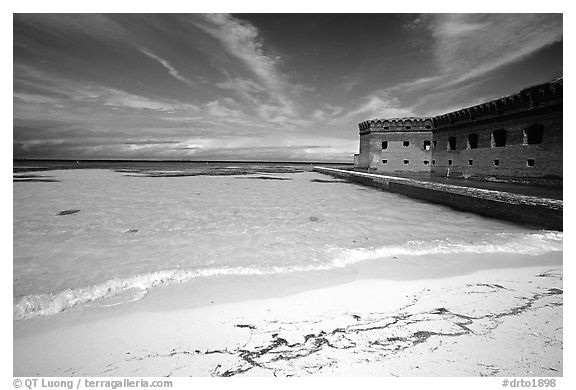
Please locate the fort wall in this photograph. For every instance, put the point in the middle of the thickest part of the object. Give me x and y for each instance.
(514, 157)
(396, 145)
(518, 136)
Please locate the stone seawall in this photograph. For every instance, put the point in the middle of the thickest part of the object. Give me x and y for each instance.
(529, 210)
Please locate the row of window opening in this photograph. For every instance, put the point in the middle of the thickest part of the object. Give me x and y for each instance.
(532, 135)
(406, 144)
(496, 162)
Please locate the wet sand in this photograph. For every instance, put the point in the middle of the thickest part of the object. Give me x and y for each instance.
(419, 316)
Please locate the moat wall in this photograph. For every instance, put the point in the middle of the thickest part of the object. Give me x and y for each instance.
(531, 211)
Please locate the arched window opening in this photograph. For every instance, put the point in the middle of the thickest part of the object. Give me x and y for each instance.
(498, 138)
(534, 134)
(472, 141)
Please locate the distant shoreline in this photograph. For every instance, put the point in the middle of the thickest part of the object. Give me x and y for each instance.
(187, 161)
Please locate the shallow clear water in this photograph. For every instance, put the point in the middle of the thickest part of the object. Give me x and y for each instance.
(140, 228)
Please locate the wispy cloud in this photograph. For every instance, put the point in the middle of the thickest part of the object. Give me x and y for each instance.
(273, 149)
(221, 109)
(173, 72)
(471, 45)
(327, 112)
(465, 50)
(468, 46)
(117, 98)
(247, 88)
(54, 90)
(378, 105)
(418, 84)
(96, 26)
(242, 41)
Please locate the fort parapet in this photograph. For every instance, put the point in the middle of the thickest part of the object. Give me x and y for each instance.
(516, 136)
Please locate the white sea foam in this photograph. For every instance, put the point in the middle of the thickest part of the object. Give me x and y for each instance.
(34, 305)
(525, 244)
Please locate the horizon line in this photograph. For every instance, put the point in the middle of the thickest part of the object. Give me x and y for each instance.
(192, 161)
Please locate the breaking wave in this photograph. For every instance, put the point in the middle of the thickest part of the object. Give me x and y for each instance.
(34, 305)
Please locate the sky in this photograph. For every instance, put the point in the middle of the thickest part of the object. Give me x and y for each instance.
(258, 87)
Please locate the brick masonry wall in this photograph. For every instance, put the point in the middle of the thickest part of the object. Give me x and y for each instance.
(364, 155)
(512, 158)
(517, 160)
(396, 153)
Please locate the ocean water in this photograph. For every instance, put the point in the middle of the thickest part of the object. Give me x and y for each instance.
(90, 232)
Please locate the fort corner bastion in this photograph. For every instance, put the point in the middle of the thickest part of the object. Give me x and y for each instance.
(513, 137)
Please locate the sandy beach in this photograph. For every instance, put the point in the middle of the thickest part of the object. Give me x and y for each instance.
(407, 317)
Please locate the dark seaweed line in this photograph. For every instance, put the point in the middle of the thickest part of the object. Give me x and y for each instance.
(313, 343)
(279, 349)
